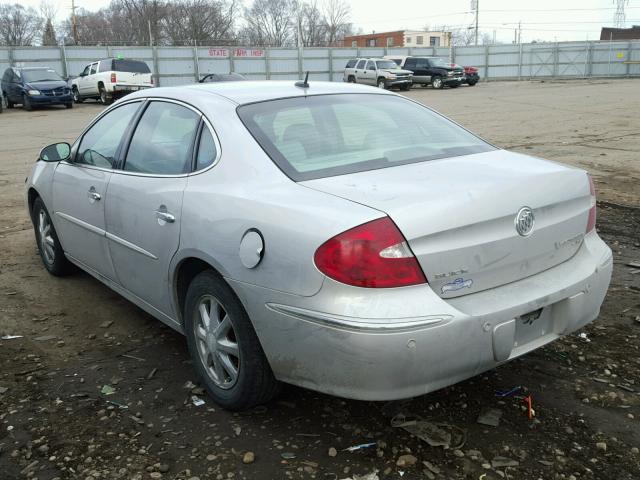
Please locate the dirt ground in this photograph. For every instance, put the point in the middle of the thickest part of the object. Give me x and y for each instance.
(56, 420)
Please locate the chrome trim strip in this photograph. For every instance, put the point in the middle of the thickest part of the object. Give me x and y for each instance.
(80, 223)
(130, 245)
(363, 325)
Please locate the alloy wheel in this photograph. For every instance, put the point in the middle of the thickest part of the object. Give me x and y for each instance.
(47, 243)
(216, 342)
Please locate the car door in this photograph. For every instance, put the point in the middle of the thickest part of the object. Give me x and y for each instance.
(15, 89)
(419, 68)
(144, 204)
(80, 189)
(370, 73)
(82, 80)
(359, 73)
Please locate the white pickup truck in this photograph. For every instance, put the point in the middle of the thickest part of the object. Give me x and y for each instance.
(110, 78)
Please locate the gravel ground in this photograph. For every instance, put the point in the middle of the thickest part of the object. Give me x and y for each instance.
(57, 420)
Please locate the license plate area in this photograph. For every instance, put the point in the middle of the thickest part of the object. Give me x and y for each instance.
(533, 325)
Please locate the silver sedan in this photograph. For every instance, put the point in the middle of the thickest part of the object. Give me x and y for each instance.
(334, 236)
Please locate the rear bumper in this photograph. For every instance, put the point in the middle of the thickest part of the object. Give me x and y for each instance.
(123, 88)
(387, 344)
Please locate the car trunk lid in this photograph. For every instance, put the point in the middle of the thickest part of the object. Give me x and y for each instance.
(458, 215)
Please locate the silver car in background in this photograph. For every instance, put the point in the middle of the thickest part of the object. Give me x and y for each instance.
(334, 236)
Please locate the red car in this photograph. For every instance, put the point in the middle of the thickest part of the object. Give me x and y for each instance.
(471, 76)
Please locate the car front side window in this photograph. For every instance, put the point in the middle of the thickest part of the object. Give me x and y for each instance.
(94, 67)
(85, 72)
(100, 143)
(163, 141)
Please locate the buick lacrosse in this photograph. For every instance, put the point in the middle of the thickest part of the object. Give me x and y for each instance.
(334, 236)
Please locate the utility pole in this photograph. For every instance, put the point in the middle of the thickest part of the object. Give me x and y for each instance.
(477, 5)
(74, 26)
(519, 32)
(150, 37)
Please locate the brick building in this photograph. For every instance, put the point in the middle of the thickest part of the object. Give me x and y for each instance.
(399, 38)
(632, 33)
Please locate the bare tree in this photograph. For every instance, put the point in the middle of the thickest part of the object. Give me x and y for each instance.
(18, 25)
(140, 20)
(270, 22)
(311, 25)
(336, 17)
(201, 22)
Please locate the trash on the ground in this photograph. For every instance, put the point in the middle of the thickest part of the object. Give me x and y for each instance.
(434, 434)
(152, 373)
(530, 411)
(406, 460)
(584, 337)
(367, 476)
(502, 462)
(106, 324)
(45, 338)
(107, 390)
(189, 385)
(508, 393)
(633, 264)
(118, 404)
(355, 448)
(490, 416)
(133, 357)
(3, 390)
(11, 337)
(288, 455)
(197, 401)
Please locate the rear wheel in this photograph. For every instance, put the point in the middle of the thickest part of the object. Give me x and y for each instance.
(351, 79)
(49, 246)
(437, 82)
(105, 99)
(225, 350)
(26, 103)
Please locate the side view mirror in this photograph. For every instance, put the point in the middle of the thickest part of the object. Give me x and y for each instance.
(55, 152)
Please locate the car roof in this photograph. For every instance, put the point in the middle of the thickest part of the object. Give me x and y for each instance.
(261, 90)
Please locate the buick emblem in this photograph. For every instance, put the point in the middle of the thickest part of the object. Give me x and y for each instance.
(524, 221)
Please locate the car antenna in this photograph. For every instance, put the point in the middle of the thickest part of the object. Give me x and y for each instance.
(303, 83)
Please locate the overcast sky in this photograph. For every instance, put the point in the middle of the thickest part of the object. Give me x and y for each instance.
(549, 20)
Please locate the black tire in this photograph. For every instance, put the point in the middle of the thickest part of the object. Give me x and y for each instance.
(436, 82)
(56, 264)
(351, 79)
(8, 102)
(68, 105)
(471, 84)
(254, 383)
(405, 88)
(105, 99)
(1, 104)
(26, 103)
(76, 95)
(380, 83)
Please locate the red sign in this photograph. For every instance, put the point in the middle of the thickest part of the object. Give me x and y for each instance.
(218, 52)
(248, 52)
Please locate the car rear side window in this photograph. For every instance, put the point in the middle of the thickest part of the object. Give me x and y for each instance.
(361, 64)
(100, 143)
(134, 66)
(326, 135)
(351, 64)
(163, 140)
(207, 151)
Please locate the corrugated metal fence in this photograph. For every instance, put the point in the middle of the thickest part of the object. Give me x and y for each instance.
(182, 65)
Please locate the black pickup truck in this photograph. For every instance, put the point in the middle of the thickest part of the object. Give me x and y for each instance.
(434, 71)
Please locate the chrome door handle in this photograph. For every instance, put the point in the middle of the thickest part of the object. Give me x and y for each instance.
(165, 216)
(92, 194)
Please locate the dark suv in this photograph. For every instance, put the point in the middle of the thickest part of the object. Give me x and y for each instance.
(31, 87)
(434, 71)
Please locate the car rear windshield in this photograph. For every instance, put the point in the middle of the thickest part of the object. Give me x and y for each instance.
(134, 66)
(40, 75)
(326, 135)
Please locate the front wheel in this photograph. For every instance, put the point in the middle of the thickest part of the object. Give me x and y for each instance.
(68, 105)
(405, 88)
(26, 103)
(49, 246)
(8, 103)
(76, 96)
(381, 83)
(224, 347)
(436, 82)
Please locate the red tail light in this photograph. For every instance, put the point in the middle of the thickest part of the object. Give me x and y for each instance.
(591, 222)
(373, 255)
(113, 78)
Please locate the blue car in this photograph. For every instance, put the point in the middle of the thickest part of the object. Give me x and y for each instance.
(35, 86)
